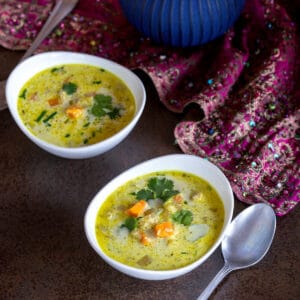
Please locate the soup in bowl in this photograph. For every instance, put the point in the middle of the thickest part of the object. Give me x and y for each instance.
(161, 218)
(74, 105)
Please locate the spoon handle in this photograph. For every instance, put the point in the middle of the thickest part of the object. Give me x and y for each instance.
(61, 9)
(215, 281)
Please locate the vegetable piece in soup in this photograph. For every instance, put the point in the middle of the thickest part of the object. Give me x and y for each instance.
(160, 221)
(74, 104)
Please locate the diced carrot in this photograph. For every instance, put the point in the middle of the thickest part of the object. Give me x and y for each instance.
(54, 101)
(137, 209)
(164, 229)
(145, 240)
(74, 111)
(178, 198)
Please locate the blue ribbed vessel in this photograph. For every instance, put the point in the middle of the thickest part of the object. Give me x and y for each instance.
(182, 23)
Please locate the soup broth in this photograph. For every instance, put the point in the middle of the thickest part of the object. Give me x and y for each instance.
(160, 221)
(75, 104)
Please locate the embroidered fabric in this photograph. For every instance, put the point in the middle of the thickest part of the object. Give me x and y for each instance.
(244, 82)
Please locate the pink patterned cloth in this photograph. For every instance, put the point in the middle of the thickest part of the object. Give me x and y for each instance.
(243, 82)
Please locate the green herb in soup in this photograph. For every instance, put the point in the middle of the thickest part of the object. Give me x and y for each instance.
(75, 104)
(160, 221)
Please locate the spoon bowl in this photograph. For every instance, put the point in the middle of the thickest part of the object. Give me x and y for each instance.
(246, 241)
(249, 236)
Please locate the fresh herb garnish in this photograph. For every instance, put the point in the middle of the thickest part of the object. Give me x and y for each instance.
(23, 94)
(161, 188)
(130, 223)
(39, 118)
(183, 216)
(103, 106)
(97, 81)
(57, 69)
(50, 117)
(115, 113)
(70, 88)
(145, 194)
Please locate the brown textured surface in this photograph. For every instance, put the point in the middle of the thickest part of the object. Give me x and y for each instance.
(43, 250)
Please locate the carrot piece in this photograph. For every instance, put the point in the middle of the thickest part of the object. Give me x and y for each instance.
(164, 229)
(53, 101)
(145, 240)
(74, 111)
(137, 209)
(178, 198)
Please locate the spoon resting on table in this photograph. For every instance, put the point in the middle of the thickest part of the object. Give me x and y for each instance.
(246, 241)
(62, 8)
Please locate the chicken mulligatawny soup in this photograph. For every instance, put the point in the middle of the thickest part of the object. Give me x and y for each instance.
(75, 104)
(160, 221)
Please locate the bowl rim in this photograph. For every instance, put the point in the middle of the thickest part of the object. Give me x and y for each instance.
(74, 57)
(144, 273)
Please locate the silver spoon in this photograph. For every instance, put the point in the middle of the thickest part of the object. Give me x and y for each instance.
(62, 8)
(247, 240)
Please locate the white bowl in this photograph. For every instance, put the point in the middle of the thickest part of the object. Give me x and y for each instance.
(29, 67)
(183, 162)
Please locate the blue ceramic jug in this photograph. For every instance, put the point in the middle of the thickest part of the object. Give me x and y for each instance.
(182, 23)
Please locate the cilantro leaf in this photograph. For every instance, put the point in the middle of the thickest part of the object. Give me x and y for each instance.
(160, 184)
(144, 194)
(23, 94)
(183, 216)
(168, 194)
(104, 100)
(57, 70)
(102, 105)
(161, 188)
(115, 113)
(130, 223)
(70, 88)
(96, 81)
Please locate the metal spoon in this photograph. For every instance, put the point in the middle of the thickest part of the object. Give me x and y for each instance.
(62, 8)
(246, 242)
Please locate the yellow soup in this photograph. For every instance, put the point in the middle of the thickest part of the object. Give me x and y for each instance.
(160, 221)
(74, 104)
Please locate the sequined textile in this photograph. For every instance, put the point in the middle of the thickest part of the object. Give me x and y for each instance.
(244, 82)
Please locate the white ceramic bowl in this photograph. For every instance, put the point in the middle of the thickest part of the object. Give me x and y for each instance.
(183, 162)
(29, 67)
